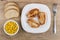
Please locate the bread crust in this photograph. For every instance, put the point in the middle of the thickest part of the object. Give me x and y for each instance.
(11, 7)
(10, 4)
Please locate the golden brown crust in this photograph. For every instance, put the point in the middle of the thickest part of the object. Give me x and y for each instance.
(33, 23)
(32, 13)
(41, 18)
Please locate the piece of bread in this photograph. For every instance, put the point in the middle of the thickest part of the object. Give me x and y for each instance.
(32, 13)
(10, 4)
(41, 18)
(33, 23)
(11, 13)
(11, 10)
(12, 7)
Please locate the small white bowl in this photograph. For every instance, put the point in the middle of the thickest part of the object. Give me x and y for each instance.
(13, 33)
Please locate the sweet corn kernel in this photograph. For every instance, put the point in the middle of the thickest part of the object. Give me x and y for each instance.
(11, 27)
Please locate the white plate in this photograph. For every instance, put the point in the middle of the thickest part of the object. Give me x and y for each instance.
(42, 28)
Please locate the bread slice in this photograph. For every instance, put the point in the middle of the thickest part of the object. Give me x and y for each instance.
(11, 14)
(12, 7)
(10, 3)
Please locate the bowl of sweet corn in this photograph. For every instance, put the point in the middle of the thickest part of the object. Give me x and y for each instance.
(11, 27)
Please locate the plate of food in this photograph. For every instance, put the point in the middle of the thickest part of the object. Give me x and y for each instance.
(36, 18)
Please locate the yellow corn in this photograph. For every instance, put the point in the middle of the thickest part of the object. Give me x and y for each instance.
(11, 27)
